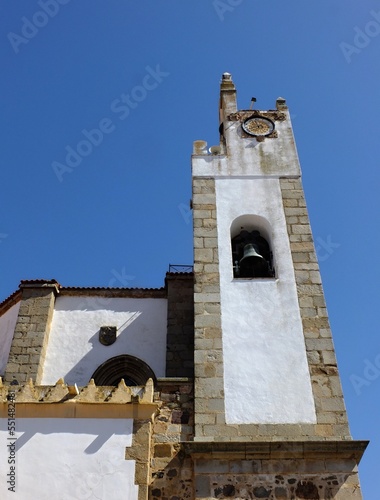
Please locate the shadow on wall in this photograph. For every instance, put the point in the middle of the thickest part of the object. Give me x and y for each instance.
(82, 372)
(28, 428)
(175, 480)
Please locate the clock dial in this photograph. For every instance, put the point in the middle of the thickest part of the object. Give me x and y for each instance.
(258, 126)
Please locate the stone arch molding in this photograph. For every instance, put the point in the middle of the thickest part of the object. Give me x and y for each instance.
(250, 231)
(133, 370)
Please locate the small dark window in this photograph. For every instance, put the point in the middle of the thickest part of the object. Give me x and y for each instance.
(251, 256)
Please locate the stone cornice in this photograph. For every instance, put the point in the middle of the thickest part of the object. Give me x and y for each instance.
(277, 450)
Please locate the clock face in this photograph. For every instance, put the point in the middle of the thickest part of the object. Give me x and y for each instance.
(258, 126)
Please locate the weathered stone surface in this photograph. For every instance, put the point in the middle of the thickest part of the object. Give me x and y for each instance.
(180, 332)
(32, 329)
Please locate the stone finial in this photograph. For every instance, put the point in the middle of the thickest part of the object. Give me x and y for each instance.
(90, 393)
(27, 394)
(281, 103)
(122, 394)
(57, 393)
(199, 148)
(227, 83)
(149, 392)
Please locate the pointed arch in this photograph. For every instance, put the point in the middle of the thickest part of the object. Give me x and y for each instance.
(133, 370)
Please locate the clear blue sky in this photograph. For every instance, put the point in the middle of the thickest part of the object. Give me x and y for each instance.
(120, 216)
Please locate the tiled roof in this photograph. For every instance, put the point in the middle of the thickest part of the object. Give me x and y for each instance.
(80, 290)
(114, 292)
(190, 273)
(10, 301)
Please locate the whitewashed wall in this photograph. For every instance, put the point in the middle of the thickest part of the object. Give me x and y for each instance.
(69, 459)
(74, 351)
(247, 157)
(7, 328)
(266, 374)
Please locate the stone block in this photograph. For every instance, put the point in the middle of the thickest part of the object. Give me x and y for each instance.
(300, 257)
(203, 199)
(332, 404)
(202, 486)
(290, 211)
(305, 246)
(205, 232)
(211, 308)
(306, 301)
(335, 385)
(163, 450)
(319, 345)
(207, 297)
(211, 268)
(295, 237)
(302, 276)
(313, 357)
(205, 418)
(209, 388)
(322, 312)
(210, 242)
(308, 312)
(207, 466)
(215, 405)
(324, 430)
(198, 243)
(329, 358)
(23, 319)
(315, 277)
(203, 255)
(307, 237)
(289, 202)
(301, 229)
(207, 320)
(203, 344)
(202, 214)
(209, 223)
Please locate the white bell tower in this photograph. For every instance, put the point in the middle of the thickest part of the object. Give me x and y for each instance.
(265, 366)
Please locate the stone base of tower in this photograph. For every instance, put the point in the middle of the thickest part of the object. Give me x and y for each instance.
(276, 471)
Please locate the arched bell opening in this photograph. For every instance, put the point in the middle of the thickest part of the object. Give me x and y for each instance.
(252, 256)
(133, 370)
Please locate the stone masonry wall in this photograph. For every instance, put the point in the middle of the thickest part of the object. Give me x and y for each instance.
(180, 333)
(208, 356)
(31, 334)
(276, 479)
(331, 413)
(172, 471)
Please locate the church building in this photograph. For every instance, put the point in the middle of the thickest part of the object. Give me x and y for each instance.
(222, 384)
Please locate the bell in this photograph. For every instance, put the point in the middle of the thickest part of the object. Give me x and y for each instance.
(250, 253)
(252, 264)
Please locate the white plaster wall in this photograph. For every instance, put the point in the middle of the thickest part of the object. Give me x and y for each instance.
(7, 327)
(266, 376)
(248, 158)
(69, 459)
(74, 351)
